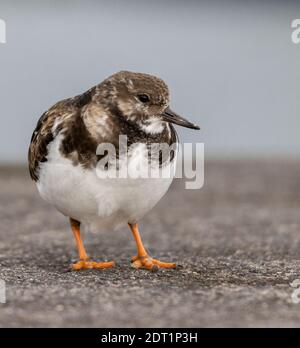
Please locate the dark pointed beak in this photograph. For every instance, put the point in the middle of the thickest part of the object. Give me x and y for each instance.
(170, 116)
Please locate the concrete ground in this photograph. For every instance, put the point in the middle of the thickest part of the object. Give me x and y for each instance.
(237, 242)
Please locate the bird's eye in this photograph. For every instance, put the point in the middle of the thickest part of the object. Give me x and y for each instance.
(144, 98)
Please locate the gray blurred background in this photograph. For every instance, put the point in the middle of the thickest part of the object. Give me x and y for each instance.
(231, 66)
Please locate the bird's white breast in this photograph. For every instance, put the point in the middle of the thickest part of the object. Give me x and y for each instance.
(81, 194)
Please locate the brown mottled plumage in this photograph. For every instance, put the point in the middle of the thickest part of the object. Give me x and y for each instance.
(75, 115)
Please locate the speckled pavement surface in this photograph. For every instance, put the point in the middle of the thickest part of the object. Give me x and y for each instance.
(237, 242)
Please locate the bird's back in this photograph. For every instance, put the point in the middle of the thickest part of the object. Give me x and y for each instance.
(49, 125)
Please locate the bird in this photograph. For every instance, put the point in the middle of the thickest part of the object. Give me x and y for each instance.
(63, 158)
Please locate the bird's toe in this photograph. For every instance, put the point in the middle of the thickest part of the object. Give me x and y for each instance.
(80, 265)
(147, 262)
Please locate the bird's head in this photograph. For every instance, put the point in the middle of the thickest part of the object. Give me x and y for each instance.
(141, 99)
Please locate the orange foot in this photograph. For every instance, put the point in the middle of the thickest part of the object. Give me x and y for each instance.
(147, 262)
(86, 264)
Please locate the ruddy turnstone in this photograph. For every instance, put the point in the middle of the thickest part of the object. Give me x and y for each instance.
(63, 156)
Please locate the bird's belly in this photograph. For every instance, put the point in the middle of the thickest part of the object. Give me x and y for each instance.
(82, 195)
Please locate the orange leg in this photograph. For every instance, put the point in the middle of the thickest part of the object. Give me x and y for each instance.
(84, 262)
(143, 260)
